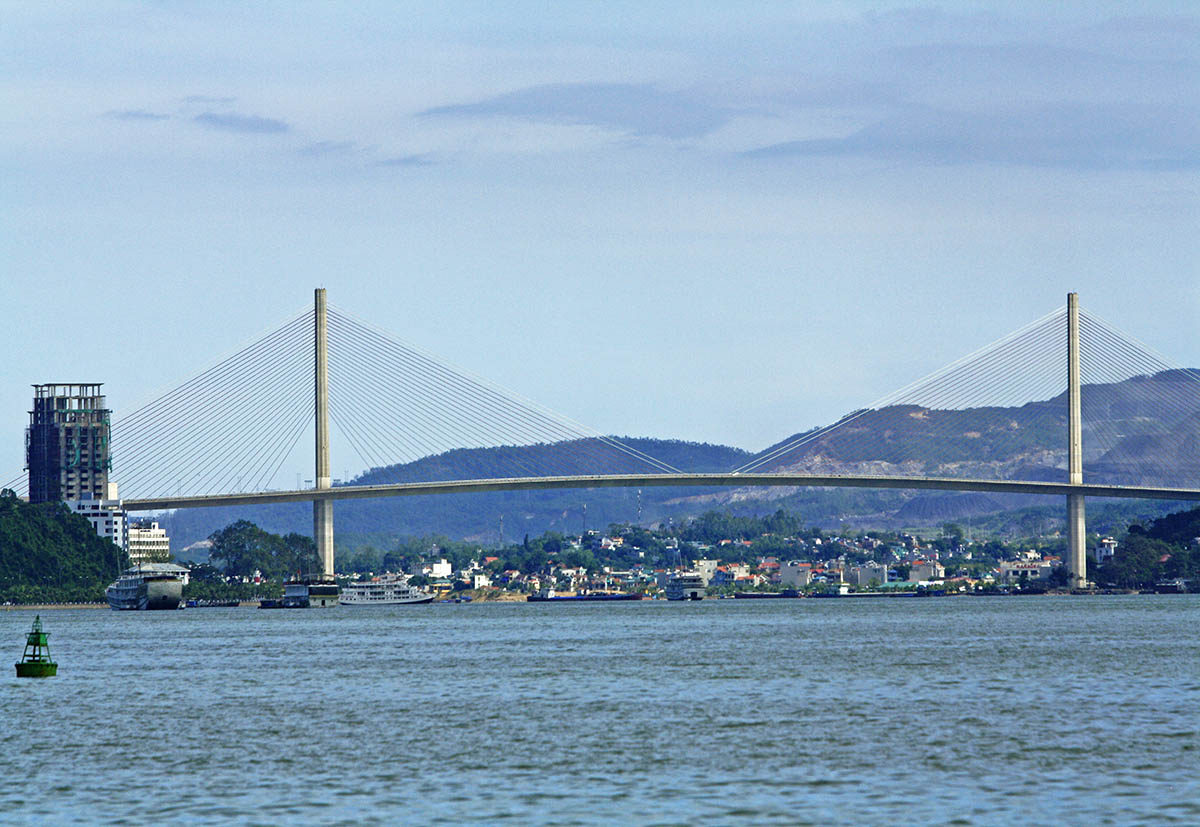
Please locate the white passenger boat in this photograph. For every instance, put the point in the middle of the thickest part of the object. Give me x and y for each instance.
(686, 586)
(388, 590)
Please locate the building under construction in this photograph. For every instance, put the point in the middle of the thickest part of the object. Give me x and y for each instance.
(66, 444)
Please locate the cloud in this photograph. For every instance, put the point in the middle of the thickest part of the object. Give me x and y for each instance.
(638, 109)
(406, 161)
(246, 124)
(320, 148)
(136, 115)
(1072, 136)
(208, 100)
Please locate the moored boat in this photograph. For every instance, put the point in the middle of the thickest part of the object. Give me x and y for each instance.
(310, 591)
(149, 586)
(549, 596)
(388, 590)
(686, 586)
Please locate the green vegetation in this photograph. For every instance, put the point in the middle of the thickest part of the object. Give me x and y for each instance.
(245, 550)
(49, 555)
(246, 562)
(1166, 550)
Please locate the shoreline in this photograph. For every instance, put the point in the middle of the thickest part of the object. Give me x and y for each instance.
(519, 597)
(48, 606)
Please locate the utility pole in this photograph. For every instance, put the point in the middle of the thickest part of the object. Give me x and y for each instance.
(322, 507)
(1076, 519)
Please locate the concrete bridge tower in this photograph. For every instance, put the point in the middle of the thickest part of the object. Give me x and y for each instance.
(1076, 521)
(322, 507)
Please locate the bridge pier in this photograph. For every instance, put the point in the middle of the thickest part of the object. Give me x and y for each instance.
(322, 507)
(1076, 520)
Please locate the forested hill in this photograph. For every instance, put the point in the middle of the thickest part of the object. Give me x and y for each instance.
(48, 554)
(477, 516)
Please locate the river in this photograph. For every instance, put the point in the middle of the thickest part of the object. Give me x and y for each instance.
(962, 710)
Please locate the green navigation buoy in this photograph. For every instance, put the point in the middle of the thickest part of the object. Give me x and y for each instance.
(36, 663)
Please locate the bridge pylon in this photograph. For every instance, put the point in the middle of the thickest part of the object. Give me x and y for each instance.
(322, 506)
(1076, 519)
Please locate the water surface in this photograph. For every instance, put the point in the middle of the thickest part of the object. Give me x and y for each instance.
(964, 710)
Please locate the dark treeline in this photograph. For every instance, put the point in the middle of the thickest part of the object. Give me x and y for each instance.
(49, 555)
(1164, 550)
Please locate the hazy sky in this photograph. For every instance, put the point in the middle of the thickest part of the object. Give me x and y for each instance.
(712, 221)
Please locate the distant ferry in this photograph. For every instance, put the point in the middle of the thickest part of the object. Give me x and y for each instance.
(686, 586)
(150, 586)
(548, 596)
(389, 590)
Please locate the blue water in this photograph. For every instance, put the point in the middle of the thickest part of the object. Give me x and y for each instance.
(963, 710)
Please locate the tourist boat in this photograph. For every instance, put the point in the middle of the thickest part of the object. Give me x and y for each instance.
(686, 586)
(548, 595)
(388, 590)
(149, 586)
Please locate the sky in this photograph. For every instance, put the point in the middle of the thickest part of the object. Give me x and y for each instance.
(722, 222)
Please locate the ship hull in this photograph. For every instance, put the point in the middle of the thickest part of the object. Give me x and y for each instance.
(144, 594)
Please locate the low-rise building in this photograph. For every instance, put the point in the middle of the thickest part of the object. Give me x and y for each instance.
(867, 574)
(795, 574)
(706, 568)
(926, 570)
(1105, 550)
(1013, 571)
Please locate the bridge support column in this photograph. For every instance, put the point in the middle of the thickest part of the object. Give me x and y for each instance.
(322, 508)
(1076, 520)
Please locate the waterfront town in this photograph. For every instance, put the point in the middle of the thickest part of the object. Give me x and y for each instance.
(822, 565)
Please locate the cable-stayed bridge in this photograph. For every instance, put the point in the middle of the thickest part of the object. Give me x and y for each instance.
(1022, 415)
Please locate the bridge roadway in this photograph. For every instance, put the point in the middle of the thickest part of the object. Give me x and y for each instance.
(411, 489)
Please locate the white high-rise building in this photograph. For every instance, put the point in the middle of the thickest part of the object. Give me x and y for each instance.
(106, 515)
(148, 544)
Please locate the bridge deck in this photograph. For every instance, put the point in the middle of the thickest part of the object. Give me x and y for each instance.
(410, 489)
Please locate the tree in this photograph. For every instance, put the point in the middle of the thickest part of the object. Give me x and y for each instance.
(1137, 563)
(242, 548)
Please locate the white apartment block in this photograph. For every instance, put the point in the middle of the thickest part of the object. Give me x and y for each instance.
(148, 544)
(107, 517)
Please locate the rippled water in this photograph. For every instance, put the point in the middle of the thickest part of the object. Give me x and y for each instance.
(970, 710)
